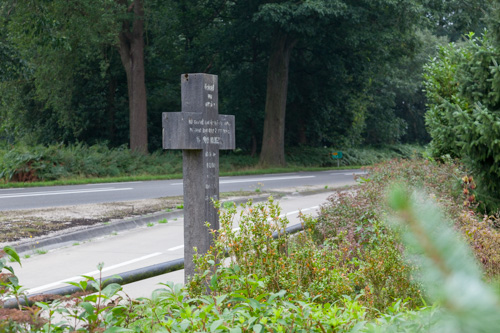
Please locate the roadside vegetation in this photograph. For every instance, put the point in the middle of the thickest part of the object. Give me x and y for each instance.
(79, 163)
(378, 258)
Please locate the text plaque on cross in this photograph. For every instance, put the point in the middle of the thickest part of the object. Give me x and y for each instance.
(200, 132)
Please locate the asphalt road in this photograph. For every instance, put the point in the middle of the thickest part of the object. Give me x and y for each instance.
(129, 250)
(42, 197)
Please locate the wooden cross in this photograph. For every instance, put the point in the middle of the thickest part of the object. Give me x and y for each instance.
(200, 132)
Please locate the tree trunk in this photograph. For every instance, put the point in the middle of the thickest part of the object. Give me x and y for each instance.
(111, 111)
(132, 56)
(273, 140)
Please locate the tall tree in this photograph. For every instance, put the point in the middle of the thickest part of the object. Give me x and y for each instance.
(61, 49)
(132, 56)
(372, 32)
(288, 22)
(65, 44)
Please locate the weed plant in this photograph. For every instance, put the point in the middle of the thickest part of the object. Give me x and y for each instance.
(28, 164)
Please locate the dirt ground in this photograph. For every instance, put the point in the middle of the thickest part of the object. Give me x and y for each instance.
(17, 225)
(23, 224)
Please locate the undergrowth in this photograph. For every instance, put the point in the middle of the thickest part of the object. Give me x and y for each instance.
(366, 264)
(453, 189)
(59, 162)
(416, 264)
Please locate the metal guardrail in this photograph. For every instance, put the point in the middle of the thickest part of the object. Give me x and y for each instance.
(124, 278)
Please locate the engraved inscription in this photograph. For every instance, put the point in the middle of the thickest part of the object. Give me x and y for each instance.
(208, 132)
(209, 87)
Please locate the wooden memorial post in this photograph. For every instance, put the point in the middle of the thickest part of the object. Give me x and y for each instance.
(200, 132)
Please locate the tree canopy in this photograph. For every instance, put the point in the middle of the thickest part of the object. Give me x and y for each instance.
(311, 72)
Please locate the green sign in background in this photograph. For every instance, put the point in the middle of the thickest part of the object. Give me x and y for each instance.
(337, 154)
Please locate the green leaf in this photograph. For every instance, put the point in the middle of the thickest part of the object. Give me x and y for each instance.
(12, 253)
(184, 324)
(82, 284)
(216, 324)
(42, 305)
(254, 304)
(111, 289)
(88, 307)
(257, 328)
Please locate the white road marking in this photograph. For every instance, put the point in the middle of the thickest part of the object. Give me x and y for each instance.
(348, 174)
(249, 180)
(39, 194)
(105, 269)
(176, 248)
(118, 183)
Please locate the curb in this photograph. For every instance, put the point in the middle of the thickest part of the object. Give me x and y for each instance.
(51, 242)
(57, 241)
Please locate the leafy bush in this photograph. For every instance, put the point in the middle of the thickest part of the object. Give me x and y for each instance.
(450, 186)
(463, 89)
(24, 164)
(173, 309)
(58, 162)
(363, 262)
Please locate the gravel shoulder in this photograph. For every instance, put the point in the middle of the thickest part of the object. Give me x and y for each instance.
(16, 225)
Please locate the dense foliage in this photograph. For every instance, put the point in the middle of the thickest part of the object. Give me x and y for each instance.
(354, 67)
(463, 89)
(22, 163)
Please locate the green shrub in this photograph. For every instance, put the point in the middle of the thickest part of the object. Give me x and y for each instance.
(450, 186)
(26, 164)
(369, 267)
(463, 90)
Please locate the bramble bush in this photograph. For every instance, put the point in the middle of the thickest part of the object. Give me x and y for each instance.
(294, 264)
(362, 261)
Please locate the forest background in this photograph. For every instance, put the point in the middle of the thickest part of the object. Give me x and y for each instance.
(342, 73)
